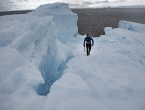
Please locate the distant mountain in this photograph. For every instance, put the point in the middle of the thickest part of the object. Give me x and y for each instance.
(131, 6)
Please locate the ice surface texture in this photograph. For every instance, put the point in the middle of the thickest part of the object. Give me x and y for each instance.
(132, 26)
(36, 49)
(64, 18)
(31, 54)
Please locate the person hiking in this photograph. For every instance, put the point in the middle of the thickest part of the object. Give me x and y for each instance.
(88, 43)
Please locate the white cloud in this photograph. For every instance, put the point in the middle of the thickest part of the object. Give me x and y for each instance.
(6, 5)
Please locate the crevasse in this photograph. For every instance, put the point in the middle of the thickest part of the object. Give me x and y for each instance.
(51, 71)
(53, 62)
(33, 46)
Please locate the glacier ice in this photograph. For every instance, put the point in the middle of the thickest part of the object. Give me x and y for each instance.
(137, 27)
(31, 48)
(52, 66)
(64, 18)
(41, 52)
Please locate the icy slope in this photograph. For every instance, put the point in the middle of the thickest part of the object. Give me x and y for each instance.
(36, 49)
(111, 78)
(31, 56)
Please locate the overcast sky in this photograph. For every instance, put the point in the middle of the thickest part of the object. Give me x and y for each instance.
(7, 5)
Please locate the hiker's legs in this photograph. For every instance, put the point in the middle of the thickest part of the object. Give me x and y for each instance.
(87, 47)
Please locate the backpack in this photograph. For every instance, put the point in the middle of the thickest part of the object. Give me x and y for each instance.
(88, 40)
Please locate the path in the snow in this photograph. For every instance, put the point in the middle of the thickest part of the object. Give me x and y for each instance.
(112, 81)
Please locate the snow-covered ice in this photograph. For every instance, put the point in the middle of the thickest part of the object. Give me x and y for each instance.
(137, 27)
(41, 52)
(32, 58)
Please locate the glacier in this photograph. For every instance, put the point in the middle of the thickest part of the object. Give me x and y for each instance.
(43, 64)
(33, 54)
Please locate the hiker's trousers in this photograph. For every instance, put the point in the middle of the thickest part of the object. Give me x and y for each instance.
(88, 47)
